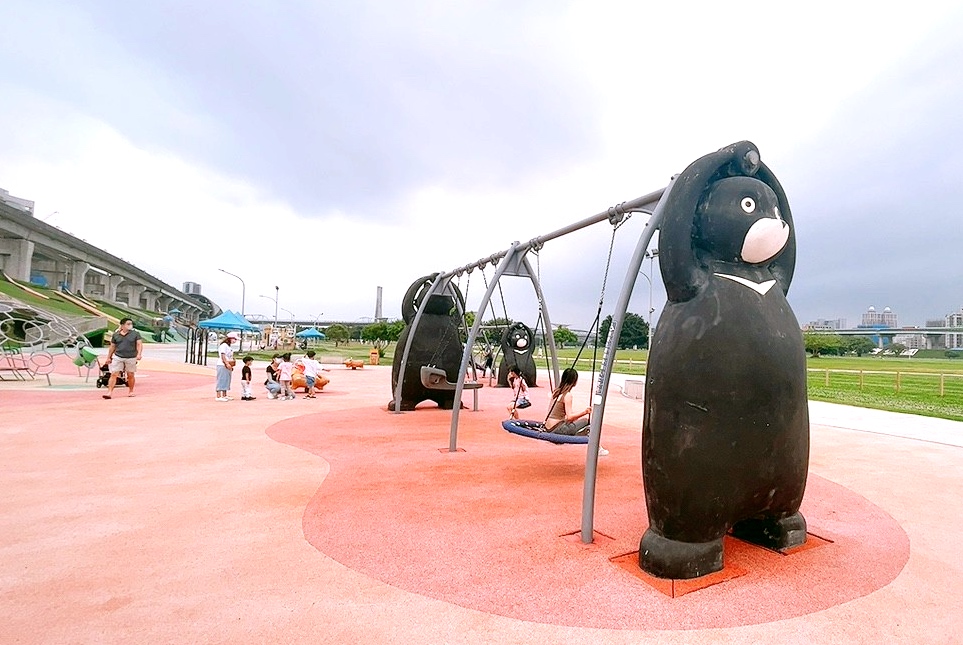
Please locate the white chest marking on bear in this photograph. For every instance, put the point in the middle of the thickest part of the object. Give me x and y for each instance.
(762, 288)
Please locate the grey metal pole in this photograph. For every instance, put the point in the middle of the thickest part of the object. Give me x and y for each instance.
(546, 320)
(605, 373)
(506, 258)
(645, 204)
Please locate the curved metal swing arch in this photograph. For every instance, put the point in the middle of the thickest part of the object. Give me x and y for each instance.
(513, 262)
(517, 255)
(655, 207)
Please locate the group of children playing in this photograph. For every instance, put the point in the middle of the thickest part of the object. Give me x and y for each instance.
(280, 375)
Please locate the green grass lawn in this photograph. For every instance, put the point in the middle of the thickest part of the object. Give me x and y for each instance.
(928, 387)
(54, 304)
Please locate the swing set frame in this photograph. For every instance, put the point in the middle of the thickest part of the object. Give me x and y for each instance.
(514, 262)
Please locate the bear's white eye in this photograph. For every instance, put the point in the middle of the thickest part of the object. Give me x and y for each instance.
(748, 204)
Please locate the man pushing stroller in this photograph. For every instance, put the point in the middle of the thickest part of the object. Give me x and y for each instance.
(126, 348)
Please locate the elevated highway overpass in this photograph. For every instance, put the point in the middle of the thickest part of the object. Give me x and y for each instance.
(32, 250)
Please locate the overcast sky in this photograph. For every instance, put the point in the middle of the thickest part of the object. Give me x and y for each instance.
(328, 148)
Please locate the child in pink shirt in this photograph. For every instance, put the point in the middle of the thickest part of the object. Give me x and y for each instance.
(285, 375)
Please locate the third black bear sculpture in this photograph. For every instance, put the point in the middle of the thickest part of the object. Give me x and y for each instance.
(726, 425)
(517, 344)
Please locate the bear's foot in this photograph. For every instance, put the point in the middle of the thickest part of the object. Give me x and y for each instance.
(772, 533)
(665, 558)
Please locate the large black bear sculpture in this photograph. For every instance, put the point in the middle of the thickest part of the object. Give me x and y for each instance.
(726, 426)
(517, 344)
(436, 343)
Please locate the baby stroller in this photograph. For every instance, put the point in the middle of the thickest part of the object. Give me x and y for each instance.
(103, 379)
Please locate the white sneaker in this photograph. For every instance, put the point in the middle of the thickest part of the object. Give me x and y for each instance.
(271, 396)
(222, 398)
(602, 451)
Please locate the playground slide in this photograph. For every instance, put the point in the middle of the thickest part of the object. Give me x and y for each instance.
(88, 308)
(82, 298)
(24, 287)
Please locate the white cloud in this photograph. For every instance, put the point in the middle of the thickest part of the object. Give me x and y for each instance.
(153, 174)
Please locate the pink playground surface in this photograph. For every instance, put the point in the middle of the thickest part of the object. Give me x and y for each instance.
(171, 517)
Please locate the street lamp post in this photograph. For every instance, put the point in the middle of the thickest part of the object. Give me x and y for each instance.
(290, 313)
(243, 293)
(243, 288)
(646, 276)
(651, 254)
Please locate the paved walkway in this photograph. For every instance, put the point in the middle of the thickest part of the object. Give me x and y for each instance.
(170, 517)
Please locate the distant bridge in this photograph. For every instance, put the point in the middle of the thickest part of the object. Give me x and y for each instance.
(890, 331)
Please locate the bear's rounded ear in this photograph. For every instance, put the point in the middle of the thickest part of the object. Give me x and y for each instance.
(783, 267)
(682, 271)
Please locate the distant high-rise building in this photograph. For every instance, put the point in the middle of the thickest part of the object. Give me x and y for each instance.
(17, 202)
(876, 319)
(955, 340)
(192, 288)
(378, 315)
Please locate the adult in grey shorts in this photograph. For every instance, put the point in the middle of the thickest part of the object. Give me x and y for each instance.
(126, 348)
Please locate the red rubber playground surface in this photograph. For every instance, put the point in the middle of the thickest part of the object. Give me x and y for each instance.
(171, 517)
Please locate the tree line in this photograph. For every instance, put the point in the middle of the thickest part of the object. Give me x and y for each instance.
(635, 332)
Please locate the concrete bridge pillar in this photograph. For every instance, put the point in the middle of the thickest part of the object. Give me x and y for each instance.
(134, 292)
(150, 299)
(164, 303)
(113, 281)
(16, 257)
(189, 312)
(78, 276)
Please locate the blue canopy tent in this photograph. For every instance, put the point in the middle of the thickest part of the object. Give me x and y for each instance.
(312, 332)
(230, 321)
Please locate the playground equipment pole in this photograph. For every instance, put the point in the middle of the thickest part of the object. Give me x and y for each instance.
(608, 360)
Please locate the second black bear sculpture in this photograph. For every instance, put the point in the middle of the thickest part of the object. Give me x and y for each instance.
(726, 426)
(435, 342)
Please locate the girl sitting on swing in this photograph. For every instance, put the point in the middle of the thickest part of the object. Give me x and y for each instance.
(519, 391)
(562, 419)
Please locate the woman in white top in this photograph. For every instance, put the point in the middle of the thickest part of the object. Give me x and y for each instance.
(225, 367)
